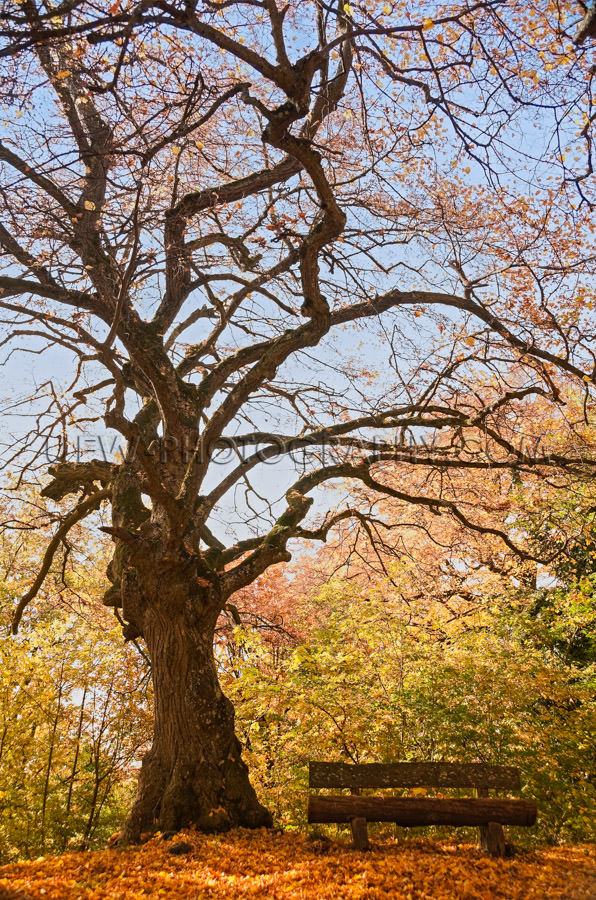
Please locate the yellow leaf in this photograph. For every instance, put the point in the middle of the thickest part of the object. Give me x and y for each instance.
(63, 74)
(89, 204)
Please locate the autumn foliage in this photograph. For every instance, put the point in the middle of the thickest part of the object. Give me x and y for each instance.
(274, 866)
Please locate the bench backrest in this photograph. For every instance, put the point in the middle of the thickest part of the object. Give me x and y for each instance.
(412, 775)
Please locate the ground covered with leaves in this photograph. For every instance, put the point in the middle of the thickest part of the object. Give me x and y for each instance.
(271, 865)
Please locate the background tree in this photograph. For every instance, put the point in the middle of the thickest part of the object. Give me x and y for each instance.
(74, 710)
(202, 206)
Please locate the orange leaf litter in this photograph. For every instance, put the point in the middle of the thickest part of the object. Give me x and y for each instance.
(270, 865)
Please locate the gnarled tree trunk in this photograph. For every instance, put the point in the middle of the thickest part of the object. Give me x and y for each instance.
(194, 773)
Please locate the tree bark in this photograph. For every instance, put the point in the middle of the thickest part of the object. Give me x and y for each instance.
(193, 774)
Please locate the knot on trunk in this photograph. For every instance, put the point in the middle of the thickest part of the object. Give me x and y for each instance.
(70, 477)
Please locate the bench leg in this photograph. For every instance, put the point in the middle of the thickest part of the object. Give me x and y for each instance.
(492, 839)
(359, 834)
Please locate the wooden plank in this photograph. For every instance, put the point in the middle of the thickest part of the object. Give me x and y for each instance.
(411, 811)
(359, 834)
(492, 836)
(359, 829)
(483, 792)
(414, 774)
(493, 839)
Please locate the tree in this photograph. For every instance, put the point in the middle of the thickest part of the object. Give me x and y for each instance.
(203, 205)
(74, 715)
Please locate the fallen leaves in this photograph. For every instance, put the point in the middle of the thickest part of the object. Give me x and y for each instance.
(263, 864)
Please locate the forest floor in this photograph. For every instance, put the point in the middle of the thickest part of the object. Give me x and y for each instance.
(271, 865)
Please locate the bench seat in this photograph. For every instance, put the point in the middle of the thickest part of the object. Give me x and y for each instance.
(414, 811)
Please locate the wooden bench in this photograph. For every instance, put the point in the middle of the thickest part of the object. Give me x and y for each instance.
(489, 813)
